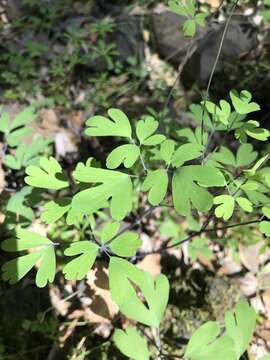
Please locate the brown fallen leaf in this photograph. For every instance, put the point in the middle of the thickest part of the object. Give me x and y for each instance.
(248, 284)
(151, 263)
(250, 256)
(98, 308)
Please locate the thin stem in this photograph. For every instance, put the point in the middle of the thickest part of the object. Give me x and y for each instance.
(158, 343)
(216, 62)
(204, 229)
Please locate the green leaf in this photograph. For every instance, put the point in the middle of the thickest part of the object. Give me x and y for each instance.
(102, 126)
(113, 185)
(265, 227)
(220, 113)
(187, 187)
(54, 210)
(266, 212)
(16, 204)
(78, 268)
(200, 18)
(126, 154)
(185, 153)
(189, 28)
(155, 292)
(25, 117)
(157, 182)
(240, 326)
(257, 166)
(167, 150)
(226, 207)
(252, 129)
(245, 155)
(244, 203)
(176, 7)
(48, 175)
(241, 102)
(14, 270)
(4, 122)
(205, 344)
(27, 155)
(224, 156)
(131, 344)
(145, 129)
(109, 231)
(198, 247)
(194, 137)
(14, 139)
(126, 244)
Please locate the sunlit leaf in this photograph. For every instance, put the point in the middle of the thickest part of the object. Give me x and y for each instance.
(113, 185)
(102, 126)
(188, 187)
(131, 344)
(242, 102)
(157, 183)
(155, 292)
(48, 175)
(226, 207)
(240, 326)
(124, 154)
(78, 268)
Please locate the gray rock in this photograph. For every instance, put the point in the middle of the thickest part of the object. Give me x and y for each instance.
(128, 37)
(169, 41)
(240, 39)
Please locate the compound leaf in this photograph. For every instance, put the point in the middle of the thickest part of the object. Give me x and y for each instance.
(78, 268)
(145, 129)
(167, 150)
(226, 207)
(220, 113)
(131, 344)
(126, 244)
(48, 175)
(54, 210)
(245, 155)
(113, 185)
(126, 154)
(155, 292)
(14, 270)
(206, 345)
(241, 102)
(157, 182)
(188, 187)
(185, 153)
(102, 126)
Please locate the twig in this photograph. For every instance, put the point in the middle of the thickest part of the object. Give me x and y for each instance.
(204, 229)
(216, 62)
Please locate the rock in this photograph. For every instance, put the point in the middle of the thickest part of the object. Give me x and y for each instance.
(128, 37)
(239, 41)
(168, 38)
